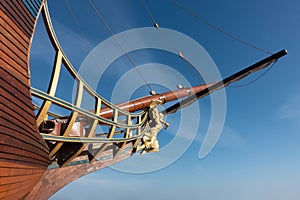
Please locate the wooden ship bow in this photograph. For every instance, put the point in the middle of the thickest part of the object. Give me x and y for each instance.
(42, 151)
(23, 151)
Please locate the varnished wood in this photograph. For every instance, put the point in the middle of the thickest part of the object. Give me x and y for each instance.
(23, 153)
(11, 9)
(12, 28)
(18, 74)
(52, 88)
(54, 179)
(13, 131)
(90, 133)
(14, 53)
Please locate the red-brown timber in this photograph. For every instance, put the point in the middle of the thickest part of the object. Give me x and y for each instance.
(23, 152)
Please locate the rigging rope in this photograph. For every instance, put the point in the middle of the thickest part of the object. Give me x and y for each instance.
(155, 24)
(77, 25)
(117, 42)
(217, 28)
(257, 78)
(163, 38)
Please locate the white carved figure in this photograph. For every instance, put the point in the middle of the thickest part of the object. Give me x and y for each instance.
(156, 122)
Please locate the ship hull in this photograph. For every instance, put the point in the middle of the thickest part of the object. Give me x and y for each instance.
(23, 152)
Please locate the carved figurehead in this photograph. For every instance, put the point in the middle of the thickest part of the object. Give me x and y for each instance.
(156, 122)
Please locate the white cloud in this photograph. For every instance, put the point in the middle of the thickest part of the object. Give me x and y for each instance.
(291, 108)
(138, 187)
(99, 186)
(230, 139)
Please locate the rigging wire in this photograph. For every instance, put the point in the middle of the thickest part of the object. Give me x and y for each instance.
(163, 38)
(77, 25)
(217, 28)
(119, 45)
(155, 24)
(180, 54)
(257, 78)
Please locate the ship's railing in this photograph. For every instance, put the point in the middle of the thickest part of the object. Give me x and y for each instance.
(131, 125)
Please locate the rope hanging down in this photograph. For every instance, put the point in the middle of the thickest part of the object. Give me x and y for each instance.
(77, 25)
(155, 24)
(180, 54)
(218, 28)
(117, 42)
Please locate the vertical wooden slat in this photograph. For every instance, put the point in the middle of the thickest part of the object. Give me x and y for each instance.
(72, 118)
(127, 135)
(42, 115)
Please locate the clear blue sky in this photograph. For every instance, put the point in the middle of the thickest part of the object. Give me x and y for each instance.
(257, 154)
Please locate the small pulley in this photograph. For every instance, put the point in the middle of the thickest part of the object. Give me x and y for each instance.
(180, 54)
(152, 92)
(179, 86)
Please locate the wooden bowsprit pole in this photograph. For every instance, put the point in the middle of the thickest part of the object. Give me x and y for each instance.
(225, 82)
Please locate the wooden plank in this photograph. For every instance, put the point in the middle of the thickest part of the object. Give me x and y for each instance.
(19, 141)
(28, 125)
(18, 113)
(90, 133)
(14, 92)
(19, 190)
(71, 119)
(24, 154)
(25, 178)
(12, 52)
(30, 7)
(9, 123)
(12, 187)
(21, 159)
(23, 112)
(18, 157)
(5, 165)
(51, 89)
(35, 140)
(9, 35)
(25, 11)
(10, 25)
(9, 66)
(20, 172)
(55, 179)
(9, 118)
(33, 146)
(11, 75)
(10, 10)
(21, 149)
(16, 96)
(23, 16)
(13, 172)
(21, 183)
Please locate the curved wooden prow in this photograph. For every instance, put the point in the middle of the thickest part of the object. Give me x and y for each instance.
(23, 152)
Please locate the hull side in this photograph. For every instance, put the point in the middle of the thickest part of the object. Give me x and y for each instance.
(55, 179)
(23, 152)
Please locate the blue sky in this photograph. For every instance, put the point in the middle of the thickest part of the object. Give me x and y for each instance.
(257, 154)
